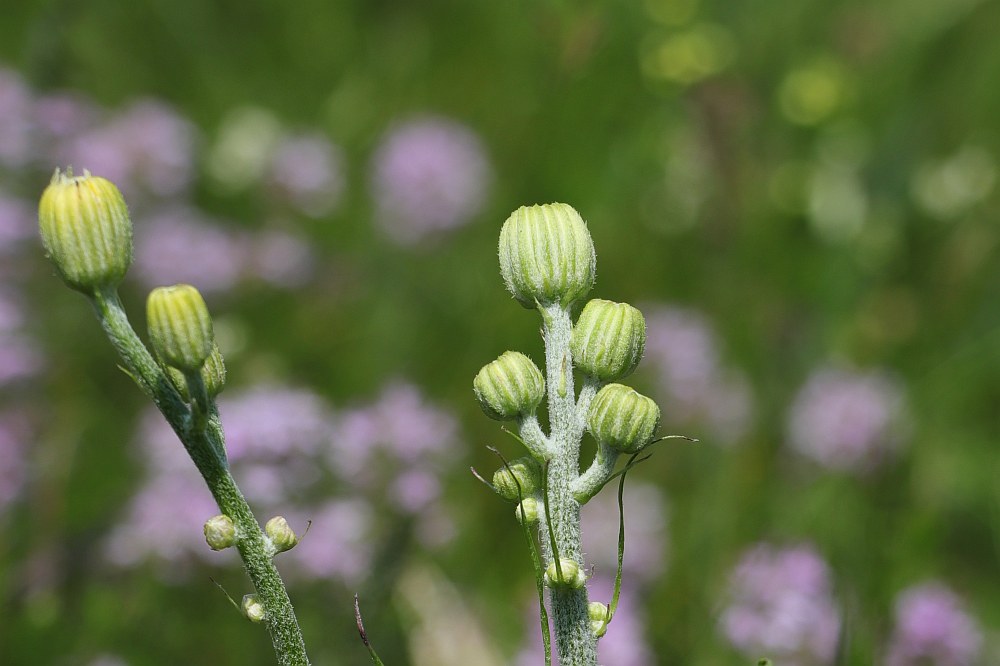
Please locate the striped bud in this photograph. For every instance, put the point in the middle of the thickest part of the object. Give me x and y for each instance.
(180, 328)
(524, 471)
(573, 576)
(622, 418)
(608, 339)
(547, 255)
(220, 532)
(528, 509)
(86, 230)
(213, 375)
(510, 386)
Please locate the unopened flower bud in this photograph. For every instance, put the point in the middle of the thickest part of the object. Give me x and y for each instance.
(572, 575)
(599, 618)
(213, 375)
(253, 608)
(547, 255)
(608, 339)
(524, 472)
(510, 386)
(180, 327)
(622, 418)
(86, 230)
(527, 509)
(281, 534)
(220, 532)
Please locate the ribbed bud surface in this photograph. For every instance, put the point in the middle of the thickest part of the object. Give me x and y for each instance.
(510, 386)
(526, 472)
(547, 255)
(572, 576)
(180, 328)
(220, 532)
(86, 230)
(528, 509)
(608, 339)
(213, 375)
(281, 534)
(622, 418)
(599, 618)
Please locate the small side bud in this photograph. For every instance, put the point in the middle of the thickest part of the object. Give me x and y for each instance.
(180, 328)
(253, 608)
(510, 386)
(213, 375)
(599, 618)
(622, 418)
(608, 339)
(527, 509)
(86, 230)
(573, 576)
(547, 255)
(220, 532)
(281, 534)
(524, 471)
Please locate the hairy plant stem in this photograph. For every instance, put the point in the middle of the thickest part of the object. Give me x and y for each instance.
(200, 431)
(575, 642)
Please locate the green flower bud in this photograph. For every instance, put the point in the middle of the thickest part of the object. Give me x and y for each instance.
(622, 418)
(572, 575)
(86, 230)
(608, 339)
(220, 532)
(524, 471)
(510, 386)
(213, 375)
(253, 608)
(281, 534)
(527, 509)
(546, 255)
(599, 618)
(180, 327)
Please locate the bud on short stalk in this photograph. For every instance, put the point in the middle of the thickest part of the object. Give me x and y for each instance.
(523, 472)
(509, 387)
(547, 255)
(608, 340)
(220, 532)
(281, 534)
(622, 418)
(180, 328)
(86, 230)
(213, 375)
(599, 618)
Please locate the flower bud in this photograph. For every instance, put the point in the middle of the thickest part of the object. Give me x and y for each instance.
(524, 471)
(86, 230)
(180, 327)
(622, 418)
(546, 255)
(599, 618)
(572, 576)
(281, 534)
(213, 375)
(253, 608)
(510, 386)
(220, 532)
(527, 509)
(608, 339)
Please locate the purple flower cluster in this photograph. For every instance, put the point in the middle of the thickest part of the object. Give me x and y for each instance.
(429, 174)
(308, 172)
(847, 420)
(294, 456)
(933, 627)
(780, 604)
(681, 348)
(645, 532)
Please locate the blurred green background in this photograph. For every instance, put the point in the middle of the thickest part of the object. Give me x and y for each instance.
(784, 187)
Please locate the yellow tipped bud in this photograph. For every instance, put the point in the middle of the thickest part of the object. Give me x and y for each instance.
(180, 328)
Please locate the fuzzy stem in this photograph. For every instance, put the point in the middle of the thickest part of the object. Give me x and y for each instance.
(205, 445)
(576, 643)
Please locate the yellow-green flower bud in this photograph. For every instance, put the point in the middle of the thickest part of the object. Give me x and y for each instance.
(572, 575)
(220, 532)
(86, 230)
(528, 509)
(180, 327)
(599, 618)
(524, 471)
(213, 375)
(547, 255)
(608, 339)
(281, 534)
(622, 418)
(253, 608)
(510, 386)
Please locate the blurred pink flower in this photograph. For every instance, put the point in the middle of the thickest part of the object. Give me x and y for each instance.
(15, 120)
(429, 174)
(780, 604)
(14, 436)
(308, 171)
(645, 531)
(847, 420)
(17, 223)
(933, 627)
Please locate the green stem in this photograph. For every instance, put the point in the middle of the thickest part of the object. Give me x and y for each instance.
(575, 642)
(203, 438)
